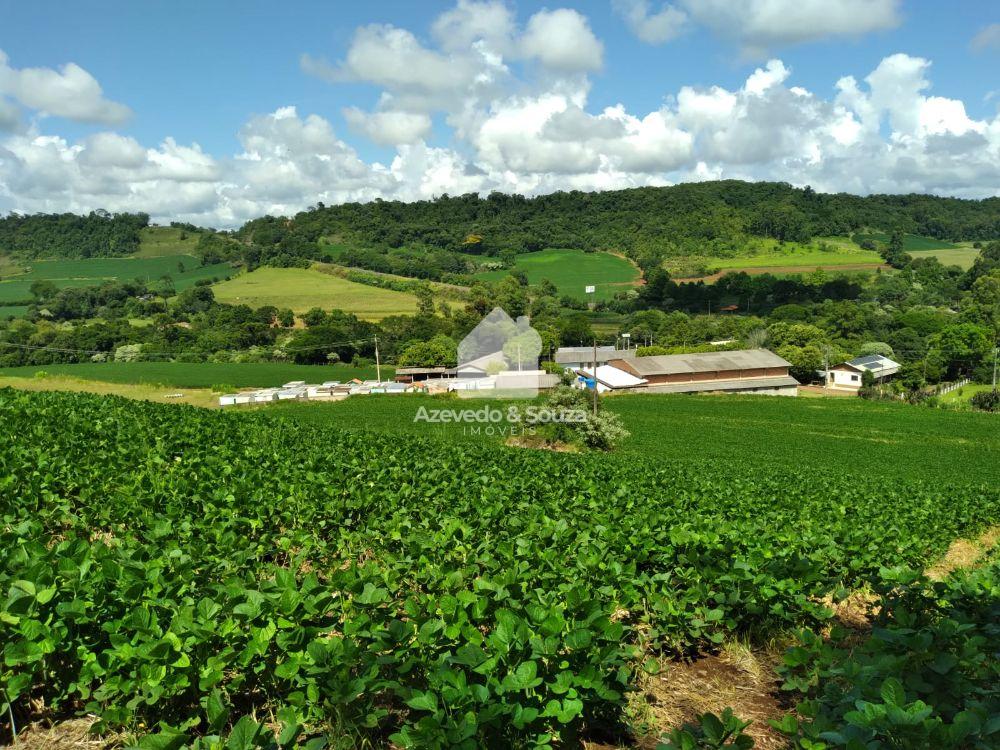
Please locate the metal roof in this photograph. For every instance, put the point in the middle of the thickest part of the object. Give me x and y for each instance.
(707, 386)
(676, 364)
(612, 376)
(569, 354)
(875, 363)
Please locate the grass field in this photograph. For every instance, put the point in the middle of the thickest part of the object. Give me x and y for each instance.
(302, 289)
(15, 311)
(965, 393)
(156, 242)
(95, 271)
(141, 392)
(771, 256)
(963, 257)
(572, 270)
(842, 435)
(198, 374)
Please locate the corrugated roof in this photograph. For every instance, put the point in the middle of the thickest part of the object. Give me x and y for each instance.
(675, 364)
(782, 381)
(568, 354)
(613, 377)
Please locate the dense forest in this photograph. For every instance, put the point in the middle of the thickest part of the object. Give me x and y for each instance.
(709, 218)
(99, 234)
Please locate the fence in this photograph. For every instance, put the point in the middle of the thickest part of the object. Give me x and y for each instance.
(953, 386)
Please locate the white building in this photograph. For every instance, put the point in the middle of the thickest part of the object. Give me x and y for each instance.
(848, 375)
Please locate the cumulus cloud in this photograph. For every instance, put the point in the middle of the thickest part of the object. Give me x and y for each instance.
(988, 38)
(663, 25)
(10, 115)
(389, 127)
(761, 25)
(562, 41)
(519, 120)
(69, 92)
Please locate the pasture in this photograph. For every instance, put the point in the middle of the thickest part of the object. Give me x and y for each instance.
(199, 374)
(301, 289)
(962, 256)
(184, 271)
(156, 242)
(573, 270)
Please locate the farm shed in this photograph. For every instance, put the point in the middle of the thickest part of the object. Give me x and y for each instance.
(848, 375)
(419, 374)
(741, 371)
(575, 357)
(608, 379)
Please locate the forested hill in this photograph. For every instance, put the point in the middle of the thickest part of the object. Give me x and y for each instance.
(99, 234)
(706, 218)
(634, 220)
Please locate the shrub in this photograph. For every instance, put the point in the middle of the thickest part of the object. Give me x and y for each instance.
(987, 401)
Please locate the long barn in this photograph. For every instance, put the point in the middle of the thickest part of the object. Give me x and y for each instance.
(741, 371)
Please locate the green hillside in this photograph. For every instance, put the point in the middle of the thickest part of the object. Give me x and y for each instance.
(301, 289)
(184, 270)
(572, 270)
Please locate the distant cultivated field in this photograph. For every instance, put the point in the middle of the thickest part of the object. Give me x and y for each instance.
(198, 374)
(16, 311)
(771, 256)
(95, 271)
(156, 242)
(573, 270)
(302, 289)
(963, 257)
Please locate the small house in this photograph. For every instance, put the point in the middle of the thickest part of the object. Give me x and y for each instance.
(849, 375)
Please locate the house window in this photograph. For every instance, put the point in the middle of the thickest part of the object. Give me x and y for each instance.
(854, 378)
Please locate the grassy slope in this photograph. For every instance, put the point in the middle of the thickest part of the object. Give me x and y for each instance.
(302, 289)
(963, 257)
(572, 270)
(849, 435)
(965, 393)
(156, 242)
(95, 271)
(199, 374)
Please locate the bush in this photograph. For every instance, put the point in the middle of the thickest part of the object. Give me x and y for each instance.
(987, 401)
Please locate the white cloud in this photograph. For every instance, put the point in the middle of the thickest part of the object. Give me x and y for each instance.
(988, 38)
(665, 24)
(10, 115)
(70, 92)
(389, 127)
(519, 121)
(471, 22)
(562, 41)
(761, 25)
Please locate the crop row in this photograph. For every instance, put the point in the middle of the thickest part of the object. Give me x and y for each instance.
(165, 564)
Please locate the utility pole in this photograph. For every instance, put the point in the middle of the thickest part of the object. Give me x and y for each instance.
(378, 366)
(996, 354)
(595, 376)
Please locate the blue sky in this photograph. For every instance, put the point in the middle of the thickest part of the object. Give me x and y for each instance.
(199, 73)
